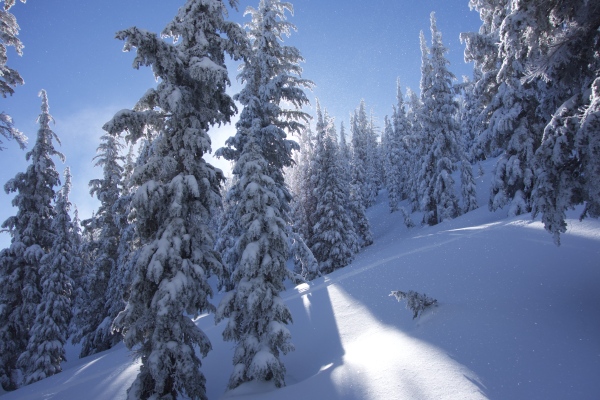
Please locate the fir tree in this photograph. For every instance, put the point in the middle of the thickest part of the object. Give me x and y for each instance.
(104, 293)
(413, 140)
(440, 128)
(45, 350)
(32, 237)
(482, 48)
(364, 145)
(334, 239)
(563, 52)
(260, 150)
(398, 164)
(9, 78)
(516, 121)
(176, 192)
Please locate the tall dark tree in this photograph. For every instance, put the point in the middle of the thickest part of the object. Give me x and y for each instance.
(45, 350)
(95, 320)
(176, 191)
(32, 238)
(439, 140)
(260, 151)
(334, 241)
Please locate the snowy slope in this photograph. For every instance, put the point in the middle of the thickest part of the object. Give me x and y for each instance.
(518, 318)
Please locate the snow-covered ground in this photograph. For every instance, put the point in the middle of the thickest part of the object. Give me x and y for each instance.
(518, 318)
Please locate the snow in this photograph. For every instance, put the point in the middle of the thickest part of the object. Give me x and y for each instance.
(518, 318)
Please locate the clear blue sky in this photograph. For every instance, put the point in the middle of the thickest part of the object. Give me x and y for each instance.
(353, 49)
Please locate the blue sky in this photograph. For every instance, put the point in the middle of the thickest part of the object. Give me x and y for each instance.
(353, 49)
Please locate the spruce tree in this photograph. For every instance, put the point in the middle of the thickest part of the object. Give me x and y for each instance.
(517, 121)
(334, 239)
(260, 150)
(176, 191)
(413, 115)
(482, 48)
(9, 78)
(45, 350)
(103, 292)
(439, 141)
(563, 53)
(398, 164)
(32, 237)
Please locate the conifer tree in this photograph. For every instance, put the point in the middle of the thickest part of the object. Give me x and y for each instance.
(45, 350)
(516, 123)
(398, 138)
(32, 237)
(176, 191)
(304, 198)
(356, 199)
(413, 115)
(9, 78)
(334, 239)
(229, 231)
(440, 129)
(482, 48)
(103, 292)
(260, 149)
(563, 52)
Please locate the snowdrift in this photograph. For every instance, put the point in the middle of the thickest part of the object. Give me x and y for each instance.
(518, 318)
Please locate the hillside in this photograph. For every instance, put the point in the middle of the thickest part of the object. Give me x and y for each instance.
(518, 318)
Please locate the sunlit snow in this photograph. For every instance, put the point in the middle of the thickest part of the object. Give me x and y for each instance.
(518, 318)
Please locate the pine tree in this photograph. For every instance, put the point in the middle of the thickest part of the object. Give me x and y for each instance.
(229, 231)
(32, 238)
(104, 293)
(9, 78)
(358, 194)
(303, 189)
(413, 115)
(482, 48)
(260, 150)
(45, 349)
(440, 128)
(398, 165)
(516, 121)
(364, 147)
(334, 239)
(563, 53)
(176, 192)
(467, 185)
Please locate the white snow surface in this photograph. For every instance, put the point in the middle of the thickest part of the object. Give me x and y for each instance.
(518, 318)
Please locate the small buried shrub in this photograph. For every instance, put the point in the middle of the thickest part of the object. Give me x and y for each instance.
(416, 302)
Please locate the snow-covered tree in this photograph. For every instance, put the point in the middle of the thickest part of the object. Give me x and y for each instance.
(304, 202)
(356, 210)
(176, 191)
(104, 293)
(364, 159)
(563, 52)
(413, 115)
(9, 78)
(260, 151)
(306, 265)
(467, 185)
(48, 335)
(439, 141)
(32, 237)
(229, 231)
(482, 48)
(516, 120)
(398, 150)
(334, 239)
